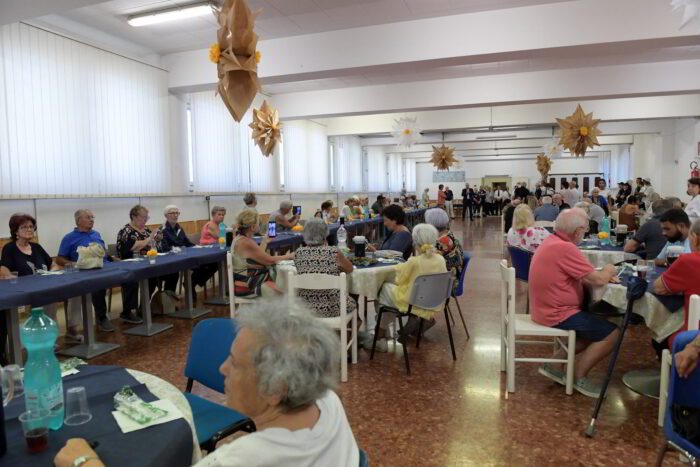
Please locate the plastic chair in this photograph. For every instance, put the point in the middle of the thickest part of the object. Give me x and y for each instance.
(460, 290)
(666, 360)
(209, 348)
(684, 392)
(339, 323)
(429, 292)
(239, 294)
(364, 459)
(513, 325)
(521, 259)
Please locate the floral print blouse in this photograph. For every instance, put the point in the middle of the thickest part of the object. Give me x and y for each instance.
(527, 239)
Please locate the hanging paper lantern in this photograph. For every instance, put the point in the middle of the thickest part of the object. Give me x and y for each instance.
(405, 131)
(443, 157)
(544, 165)
(266, 128)
(579, 132)
(691, 10)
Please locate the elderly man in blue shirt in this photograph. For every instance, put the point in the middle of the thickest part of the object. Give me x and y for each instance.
(83, 235)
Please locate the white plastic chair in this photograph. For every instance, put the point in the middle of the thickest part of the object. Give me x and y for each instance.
(513, 325)
(339, 323)
(234, 301)
(544, 224)
(666, 358)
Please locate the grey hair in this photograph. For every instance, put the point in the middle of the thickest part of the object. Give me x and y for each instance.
(437, 218)
(662, 205)
(168, 208)
(571, 219)
(546, 200)
(249, 199)
(315, 232)
(584, 206)
(675, 202)
(286, 204)
(79, 213)
(297, 356)
(425, 234)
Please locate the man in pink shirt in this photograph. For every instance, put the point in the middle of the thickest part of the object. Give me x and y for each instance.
(558, 273)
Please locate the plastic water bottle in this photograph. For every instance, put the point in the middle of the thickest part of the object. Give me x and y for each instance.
(222, 235)
(342, 234)
(43, 387)
(605, 227)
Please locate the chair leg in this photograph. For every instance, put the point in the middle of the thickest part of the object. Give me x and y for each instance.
(452, 318)
(420, 332)
(666, 363)
(449, 333)
(459, 309)
(405, 348)
(376, 332)
(570, 362)
(109, 302)
(661, 453)
(343, 355)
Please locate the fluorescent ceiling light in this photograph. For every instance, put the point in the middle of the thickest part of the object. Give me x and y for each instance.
(174, 14)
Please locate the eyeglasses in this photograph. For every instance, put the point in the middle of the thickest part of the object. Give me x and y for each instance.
(28, 228)
(174, 212)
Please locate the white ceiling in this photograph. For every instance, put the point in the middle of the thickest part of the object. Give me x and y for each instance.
(278, 18)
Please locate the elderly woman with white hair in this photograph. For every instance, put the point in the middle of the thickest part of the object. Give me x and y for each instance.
(282, 218)
(282, 372)
(523, 233)
(396, 295)
(447, 244)
(319, 258)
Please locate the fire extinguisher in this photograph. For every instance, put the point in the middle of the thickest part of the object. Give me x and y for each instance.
(694, 171)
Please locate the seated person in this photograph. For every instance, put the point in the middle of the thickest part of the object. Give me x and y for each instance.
(399, 237)
(600, 199)
(595, 212)
(282, 217)
(449, 247)
(675, 226)
(282, 371)
(547, 211)
(508, 213)
(83, 235)
(682, 277)
(629, 213)
(649, 236)
(558, 274)
(251, 263)
(319, 258)
(212, 229)
(327, 212)
(175, 236)
(378, 206)
(396, 295)
(558, 201)
(523, 234)
(687, 359)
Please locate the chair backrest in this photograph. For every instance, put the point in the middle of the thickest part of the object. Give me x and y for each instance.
(507, 291)
(521, 262)
(431, 291)
(264, 219)
(320, 282)
(231, 284)
(694, 313)
(544, 224)
(462, 274)
(112, 249)
(194, 238)
(209, 348)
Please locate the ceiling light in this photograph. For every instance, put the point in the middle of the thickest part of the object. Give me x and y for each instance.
(173, 14)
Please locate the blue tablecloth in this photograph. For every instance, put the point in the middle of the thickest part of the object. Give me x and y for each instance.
(169, 444)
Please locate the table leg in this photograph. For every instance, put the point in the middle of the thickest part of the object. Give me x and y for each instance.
(89, 348)
(148, 328)
(190, 312)
(15, 346)
(222, 299)
(644, 382)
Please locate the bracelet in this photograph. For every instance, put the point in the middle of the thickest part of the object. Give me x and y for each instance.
(82, 460)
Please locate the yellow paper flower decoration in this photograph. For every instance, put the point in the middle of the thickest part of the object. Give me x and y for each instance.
(443, 157)
(214, 53)
(579, 132)
(267, 129)
(544, 165)
(151, 253)
(258, 57)
(602, 235)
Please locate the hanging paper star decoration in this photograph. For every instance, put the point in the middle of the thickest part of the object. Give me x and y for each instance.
(553, 148)
(443, 157)
(691, 10)
(266, 128)
(236, 57)
(544, 165)
(405, 131)
(579, 132)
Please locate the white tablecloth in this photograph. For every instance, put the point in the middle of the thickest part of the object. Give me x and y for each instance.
(599, 258)
(164, 390)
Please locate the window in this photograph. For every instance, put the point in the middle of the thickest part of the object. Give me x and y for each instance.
(190, 160)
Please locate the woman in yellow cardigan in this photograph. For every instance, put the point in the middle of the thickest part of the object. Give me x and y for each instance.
(396, 295)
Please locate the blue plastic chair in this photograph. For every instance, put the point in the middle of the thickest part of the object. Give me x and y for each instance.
(209, 348)
(682, 391)
(460, 290)
(364, 460)
(521, 259)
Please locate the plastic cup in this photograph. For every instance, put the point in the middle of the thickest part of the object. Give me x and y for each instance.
(13, 277)
(77, 411)
(12, 373)
(68, 268)
(35, 425)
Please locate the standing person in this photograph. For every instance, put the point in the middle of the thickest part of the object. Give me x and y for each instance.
(378, 206)
(487, 201)
(566, 194)
(693, 207)
(250, 201)
(467, 200)
(441, 196)
(508, 214)
(538, 191)
(425, 199)
(573, 186)
(499, 197)
(639, 185)
(449, 197)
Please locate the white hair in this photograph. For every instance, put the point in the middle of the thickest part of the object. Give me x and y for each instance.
(168, 208)
(583, 205)
(571, 219)
(425, 237)
(79, 213)
(437, 218)
(315, 232)
(546, 200)
(297, 355)
(286, 204)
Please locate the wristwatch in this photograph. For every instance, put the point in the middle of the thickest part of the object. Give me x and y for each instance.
(83, 459)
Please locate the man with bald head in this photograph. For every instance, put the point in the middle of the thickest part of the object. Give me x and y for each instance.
(558, 274)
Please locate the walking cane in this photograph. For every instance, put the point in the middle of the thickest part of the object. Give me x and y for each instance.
(636, 288)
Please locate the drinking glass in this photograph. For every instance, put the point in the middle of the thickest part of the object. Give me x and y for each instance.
(35, 425)
(69, 268)
(13, 277)
(77, 410)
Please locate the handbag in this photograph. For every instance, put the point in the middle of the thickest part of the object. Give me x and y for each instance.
(91, 256)
(686, 422)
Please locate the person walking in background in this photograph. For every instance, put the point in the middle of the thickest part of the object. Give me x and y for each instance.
(449, 197)
(441, 196)
(467, 201)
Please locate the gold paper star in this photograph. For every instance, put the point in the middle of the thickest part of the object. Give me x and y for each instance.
(544, 165)
(579, 132)
(266, 128)
(443, 157)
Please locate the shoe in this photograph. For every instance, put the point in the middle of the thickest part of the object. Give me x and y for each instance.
(382, 346)
(105, 325)
(587, 387)
(410, 329)
(73, 335)
(555, 375)
(131, 317)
